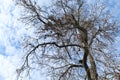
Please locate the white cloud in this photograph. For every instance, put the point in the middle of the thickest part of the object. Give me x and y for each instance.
(7, 69)
(11, 32)
(8, 66)
(9, 58)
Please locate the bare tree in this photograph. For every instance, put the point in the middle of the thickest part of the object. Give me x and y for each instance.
(71, 40)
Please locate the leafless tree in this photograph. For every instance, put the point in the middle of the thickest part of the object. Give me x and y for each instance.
(71, 40)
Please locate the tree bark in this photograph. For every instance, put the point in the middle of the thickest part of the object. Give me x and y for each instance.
(93, 70)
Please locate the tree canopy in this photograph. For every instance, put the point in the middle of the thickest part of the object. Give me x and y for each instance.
(72, 40)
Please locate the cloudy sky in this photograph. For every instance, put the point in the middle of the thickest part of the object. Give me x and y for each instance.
(11, 32)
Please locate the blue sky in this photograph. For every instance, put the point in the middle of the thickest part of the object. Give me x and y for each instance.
(11, 32)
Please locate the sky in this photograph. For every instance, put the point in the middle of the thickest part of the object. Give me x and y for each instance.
(12, 31)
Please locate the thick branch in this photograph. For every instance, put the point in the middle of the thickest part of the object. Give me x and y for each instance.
(60, 46)
(76, 25)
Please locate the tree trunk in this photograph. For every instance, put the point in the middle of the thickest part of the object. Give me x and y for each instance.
(93, 70)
